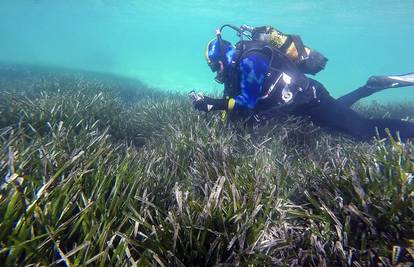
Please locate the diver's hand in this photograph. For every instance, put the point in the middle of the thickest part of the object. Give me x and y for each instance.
(198, 101)
(195, 96)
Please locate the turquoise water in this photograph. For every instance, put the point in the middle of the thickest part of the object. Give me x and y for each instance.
(162, 42)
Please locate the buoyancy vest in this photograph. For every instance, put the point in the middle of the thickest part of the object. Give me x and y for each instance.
(284, 86)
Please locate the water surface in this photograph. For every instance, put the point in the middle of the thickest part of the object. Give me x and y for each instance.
(162, 42)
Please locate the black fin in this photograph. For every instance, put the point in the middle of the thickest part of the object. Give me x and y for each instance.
(391, 81)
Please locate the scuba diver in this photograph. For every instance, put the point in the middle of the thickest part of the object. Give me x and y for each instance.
(264, 76)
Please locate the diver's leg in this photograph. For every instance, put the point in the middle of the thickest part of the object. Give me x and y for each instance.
(331, 114)
(404, 128)
(352, 97)
(376, 84)
(327, 112)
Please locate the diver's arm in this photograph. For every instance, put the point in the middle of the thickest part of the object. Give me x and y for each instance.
(252, 73)
(207, 104)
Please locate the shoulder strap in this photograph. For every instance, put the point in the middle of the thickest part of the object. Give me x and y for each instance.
(286, 44)
(300, 47)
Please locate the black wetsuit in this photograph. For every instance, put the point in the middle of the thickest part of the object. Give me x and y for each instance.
(337, 114)
(309, 98)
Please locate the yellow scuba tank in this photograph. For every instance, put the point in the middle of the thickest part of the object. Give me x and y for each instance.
(308, 60)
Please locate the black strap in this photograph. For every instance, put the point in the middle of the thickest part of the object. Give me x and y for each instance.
(286, 44)
(300, 47)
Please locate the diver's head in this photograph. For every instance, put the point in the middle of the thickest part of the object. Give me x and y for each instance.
(219, 54)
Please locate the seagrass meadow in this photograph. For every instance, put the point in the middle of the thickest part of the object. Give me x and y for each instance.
(98, 170)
